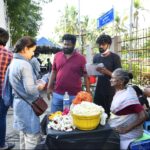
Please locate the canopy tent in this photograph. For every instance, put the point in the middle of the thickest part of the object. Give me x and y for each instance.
(47, 50)
(45, 46)
(44, 42)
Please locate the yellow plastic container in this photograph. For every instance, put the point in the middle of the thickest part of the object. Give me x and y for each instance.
(86, 122)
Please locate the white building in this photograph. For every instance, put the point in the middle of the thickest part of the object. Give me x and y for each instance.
(3, 17)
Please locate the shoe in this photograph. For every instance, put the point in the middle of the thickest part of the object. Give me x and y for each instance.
(8, 146)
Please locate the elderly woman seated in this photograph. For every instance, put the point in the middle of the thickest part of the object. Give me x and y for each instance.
(127, 114)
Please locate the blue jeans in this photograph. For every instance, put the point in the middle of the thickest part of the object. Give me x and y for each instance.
(3, 113)
(57, 102)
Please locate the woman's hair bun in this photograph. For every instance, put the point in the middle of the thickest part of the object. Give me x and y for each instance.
(130, 75)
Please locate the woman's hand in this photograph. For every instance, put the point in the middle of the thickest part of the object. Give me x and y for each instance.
(41, 87)
(121, 130)
(40, 84)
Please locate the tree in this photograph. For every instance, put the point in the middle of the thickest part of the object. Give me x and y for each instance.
(24, 17)
(119, 24)
(69, 23)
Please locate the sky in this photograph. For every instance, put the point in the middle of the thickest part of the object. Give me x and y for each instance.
(51, 12)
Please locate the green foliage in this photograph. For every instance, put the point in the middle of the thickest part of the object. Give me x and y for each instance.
(119, 26)
(25, 17)
(69, 23)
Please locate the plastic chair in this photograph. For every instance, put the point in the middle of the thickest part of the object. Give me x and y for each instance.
(146, 125)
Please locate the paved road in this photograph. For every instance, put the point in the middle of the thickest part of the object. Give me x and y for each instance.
(12, 136)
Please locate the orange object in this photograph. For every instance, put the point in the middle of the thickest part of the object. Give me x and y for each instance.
(82, 96)
(92, 79)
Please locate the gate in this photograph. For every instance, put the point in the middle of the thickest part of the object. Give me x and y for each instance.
(135, 55)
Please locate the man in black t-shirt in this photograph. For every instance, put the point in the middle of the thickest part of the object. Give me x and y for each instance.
(109, 62)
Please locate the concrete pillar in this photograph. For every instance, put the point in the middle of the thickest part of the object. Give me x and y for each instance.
(116, 44)
(3, 22)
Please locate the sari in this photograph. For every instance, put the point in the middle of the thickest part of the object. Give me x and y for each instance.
(121, 100)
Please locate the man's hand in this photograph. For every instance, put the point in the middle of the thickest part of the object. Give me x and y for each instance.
(89, 91)
(103, 70)
(49, 93)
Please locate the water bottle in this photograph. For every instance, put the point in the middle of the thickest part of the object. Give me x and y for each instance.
(66, 102)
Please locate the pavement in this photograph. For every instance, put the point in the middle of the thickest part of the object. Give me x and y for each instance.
(12, 136)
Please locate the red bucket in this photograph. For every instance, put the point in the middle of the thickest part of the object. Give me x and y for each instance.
(92, 79)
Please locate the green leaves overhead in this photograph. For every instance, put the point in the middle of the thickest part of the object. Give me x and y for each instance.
(24, 16)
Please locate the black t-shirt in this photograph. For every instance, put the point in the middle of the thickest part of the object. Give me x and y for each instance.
(111, 62)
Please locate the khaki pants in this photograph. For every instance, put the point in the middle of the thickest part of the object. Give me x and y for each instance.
(29, 141)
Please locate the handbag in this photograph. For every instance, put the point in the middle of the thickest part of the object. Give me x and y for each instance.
(39, 106)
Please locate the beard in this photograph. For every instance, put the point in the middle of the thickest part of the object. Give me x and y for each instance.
(68, 50)
(101, 50)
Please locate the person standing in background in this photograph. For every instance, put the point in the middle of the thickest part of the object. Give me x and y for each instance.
(67, 70)
(49, 65)
(147, 91)
(143, 99)
(36, 67)
(109, 62)
(5, 59)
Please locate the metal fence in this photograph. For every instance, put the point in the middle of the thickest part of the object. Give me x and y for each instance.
(135, 55)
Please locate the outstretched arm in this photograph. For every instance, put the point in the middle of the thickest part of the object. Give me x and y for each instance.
(87, 83)
(50, 85)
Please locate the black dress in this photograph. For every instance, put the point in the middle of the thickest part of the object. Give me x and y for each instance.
(104, 92)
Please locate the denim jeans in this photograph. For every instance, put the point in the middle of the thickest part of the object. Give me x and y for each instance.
(57, 102)
(3, 113)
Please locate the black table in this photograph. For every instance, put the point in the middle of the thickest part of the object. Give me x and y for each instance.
(102, 138)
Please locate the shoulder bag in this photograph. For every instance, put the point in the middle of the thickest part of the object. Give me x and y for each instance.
(39, 106)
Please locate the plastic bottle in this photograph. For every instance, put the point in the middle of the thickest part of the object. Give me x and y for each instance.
(103, 119)
(66, 101)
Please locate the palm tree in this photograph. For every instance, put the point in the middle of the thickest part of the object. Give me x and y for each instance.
(119, 24)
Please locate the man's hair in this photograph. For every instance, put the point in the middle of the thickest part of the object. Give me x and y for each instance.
(4, 36)
(104, 39)
(69, 37)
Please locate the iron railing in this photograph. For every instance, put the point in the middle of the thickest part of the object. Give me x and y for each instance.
(135, 55)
